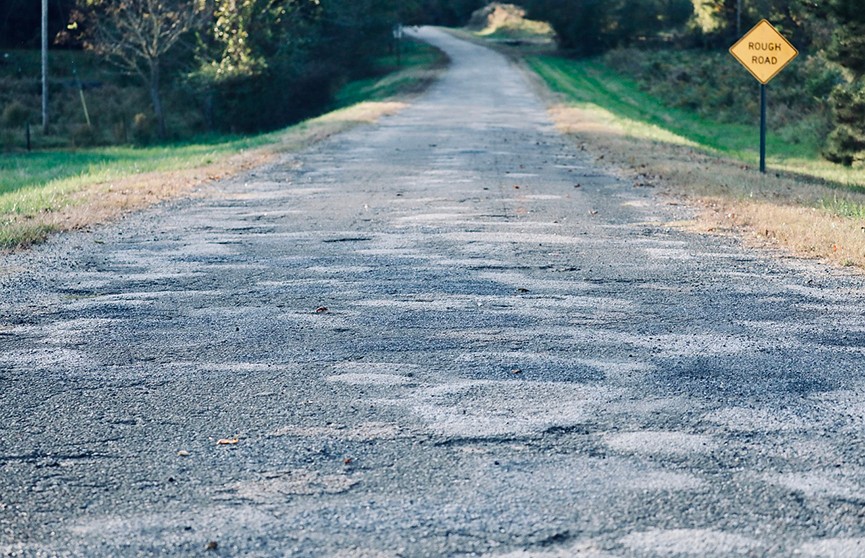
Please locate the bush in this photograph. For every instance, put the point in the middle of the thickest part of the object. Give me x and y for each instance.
(83, 136)
(846, 143)
(143, 129)
(15, 115)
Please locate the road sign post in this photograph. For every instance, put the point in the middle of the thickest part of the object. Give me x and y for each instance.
(764, 52)
(763, 128)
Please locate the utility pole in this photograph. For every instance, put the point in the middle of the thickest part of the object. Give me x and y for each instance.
(44, 66)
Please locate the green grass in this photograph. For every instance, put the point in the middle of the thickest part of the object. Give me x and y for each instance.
(33, 170)
(843, 208)
(408, 72)
(591, 85)
(589, 82)
(506, 24)
(20, 171)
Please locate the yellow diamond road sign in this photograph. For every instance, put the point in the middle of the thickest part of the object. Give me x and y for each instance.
(764, 51)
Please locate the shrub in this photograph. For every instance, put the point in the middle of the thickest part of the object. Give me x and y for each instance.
(15, 115)
(846, 143)
(83, 136)
(143, 129)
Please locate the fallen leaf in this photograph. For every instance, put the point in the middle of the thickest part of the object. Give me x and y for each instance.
(227, 442)
(516, 371)
(322, 310)
(347, 461)
(212, 545)
(522, 290)
(183, 453)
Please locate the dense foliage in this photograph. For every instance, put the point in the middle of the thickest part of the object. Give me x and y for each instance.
(264, 63)
(846, 143)
(176, 67)
(248, 65)
(813, 99)
(594, 26)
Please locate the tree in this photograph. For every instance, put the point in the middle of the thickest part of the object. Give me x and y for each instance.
(243, 35)
(848, 41)
(846, 143)
(732, 18)
(136, 35)
(289, 56)
(590, 27)
(257, 53)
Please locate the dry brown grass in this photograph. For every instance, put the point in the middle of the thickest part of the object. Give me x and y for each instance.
(104, 201)
(781, 210)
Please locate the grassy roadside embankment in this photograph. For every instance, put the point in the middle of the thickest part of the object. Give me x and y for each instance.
(805, 204)
(59, 190)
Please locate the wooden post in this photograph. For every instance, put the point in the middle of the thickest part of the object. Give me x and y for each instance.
(81, 95)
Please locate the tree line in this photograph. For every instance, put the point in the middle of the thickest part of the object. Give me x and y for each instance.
(832, 30)
(260, 64)
(254, 64)
(250, 65)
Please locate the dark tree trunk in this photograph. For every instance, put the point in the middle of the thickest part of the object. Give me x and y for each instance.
(208, 110)
(156, 99)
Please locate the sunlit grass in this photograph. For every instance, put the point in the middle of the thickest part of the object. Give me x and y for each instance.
(606, 120)
(589, 85)
(590, 82)
(409, 71)
(40, 168)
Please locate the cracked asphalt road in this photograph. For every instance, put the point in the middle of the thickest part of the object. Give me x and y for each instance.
(507, 364)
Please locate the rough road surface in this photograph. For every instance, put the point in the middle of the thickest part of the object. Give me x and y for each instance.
(507, 364)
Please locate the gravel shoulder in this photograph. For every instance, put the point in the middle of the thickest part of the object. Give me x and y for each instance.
(448, 333)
